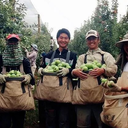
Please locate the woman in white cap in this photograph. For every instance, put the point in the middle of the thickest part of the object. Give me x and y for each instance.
(90, 89)
(32, 55)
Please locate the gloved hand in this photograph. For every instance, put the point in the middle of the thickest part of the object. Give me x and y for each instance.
(40, 71)
(63, 72)
(27, 79)
(113, 87)
(32, 87)
(2, 79)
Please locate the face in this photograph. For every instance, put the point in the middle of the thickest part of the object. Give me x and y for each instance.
(126, 48)
(93, 42)
(12, 41)
(63, 41)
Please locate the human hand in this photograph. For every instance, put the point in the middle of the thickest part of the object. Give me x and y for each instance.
(2, 79)
(40, 71)
(96, 72)
(27, 79)
(79, 73)
(111, 86)
(63, 72)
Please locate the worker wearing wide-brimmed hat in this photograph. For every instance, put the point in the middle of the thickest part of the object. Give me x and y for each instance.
(122, 62)
(118, 90)
(123, 56)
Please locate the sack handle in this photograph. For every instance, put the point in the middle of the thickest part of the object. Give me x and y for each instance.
(51, 60)
(110, 97)
(68, 57)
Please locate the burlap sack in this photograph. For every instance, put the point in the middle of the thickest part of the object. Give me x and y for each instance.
(115, 108)
(88, 91)
(15, 96)
(53, 88)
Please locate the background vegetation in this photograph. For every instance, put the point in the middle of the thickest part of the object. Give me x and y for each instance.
(104, 20)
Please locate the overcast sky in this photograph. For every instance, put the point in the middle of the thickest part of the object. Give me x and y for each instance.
(65, 13)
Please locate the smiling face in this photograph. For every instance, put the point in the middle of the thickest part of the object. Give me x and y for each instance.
(63, 41)
(93, 42)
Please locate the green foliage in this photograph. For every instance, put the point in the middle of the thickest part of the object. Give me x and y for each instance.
(11, 20)
(12, 15)
(104, 20)
(78, 44)
(32, 117)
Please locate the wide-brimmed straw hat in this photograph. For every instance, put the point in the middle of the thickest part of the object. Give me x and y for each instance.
(120, 43)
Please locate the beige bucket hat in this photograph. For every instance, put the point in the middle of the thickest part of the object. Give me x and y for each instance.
(120, 43)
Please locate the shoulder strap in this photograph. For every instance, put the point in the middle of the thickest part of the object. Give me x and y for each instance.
(102, 61)
(51, 60)
(68, 57)
(85, 59)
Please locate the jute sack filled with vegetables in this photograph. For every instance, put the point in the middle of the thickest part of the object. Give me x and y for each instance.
(115, 108)
(14, 94)
(89, 90)
(54, 88)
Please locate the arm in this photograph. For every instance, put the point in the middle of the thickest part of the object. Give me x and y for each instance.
(77, 72)
(111, 67)
(27, 70)
(30, 54)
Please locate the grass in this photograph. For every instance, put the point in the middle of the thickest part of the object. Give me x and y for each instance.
(32, 116)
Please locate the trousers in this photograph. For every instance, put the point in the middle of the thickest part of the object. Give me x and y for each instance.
(12, 119)
(56, 114)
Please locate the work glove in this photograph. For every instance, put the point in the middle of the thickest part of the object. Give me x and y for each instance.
(27, 79)
(40, 71)
(32, 87)
(63, 72)
(113, 87)
(2, 79)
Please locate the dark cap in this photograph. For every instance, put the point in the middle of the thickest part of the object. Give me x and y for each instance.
(63, 30)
